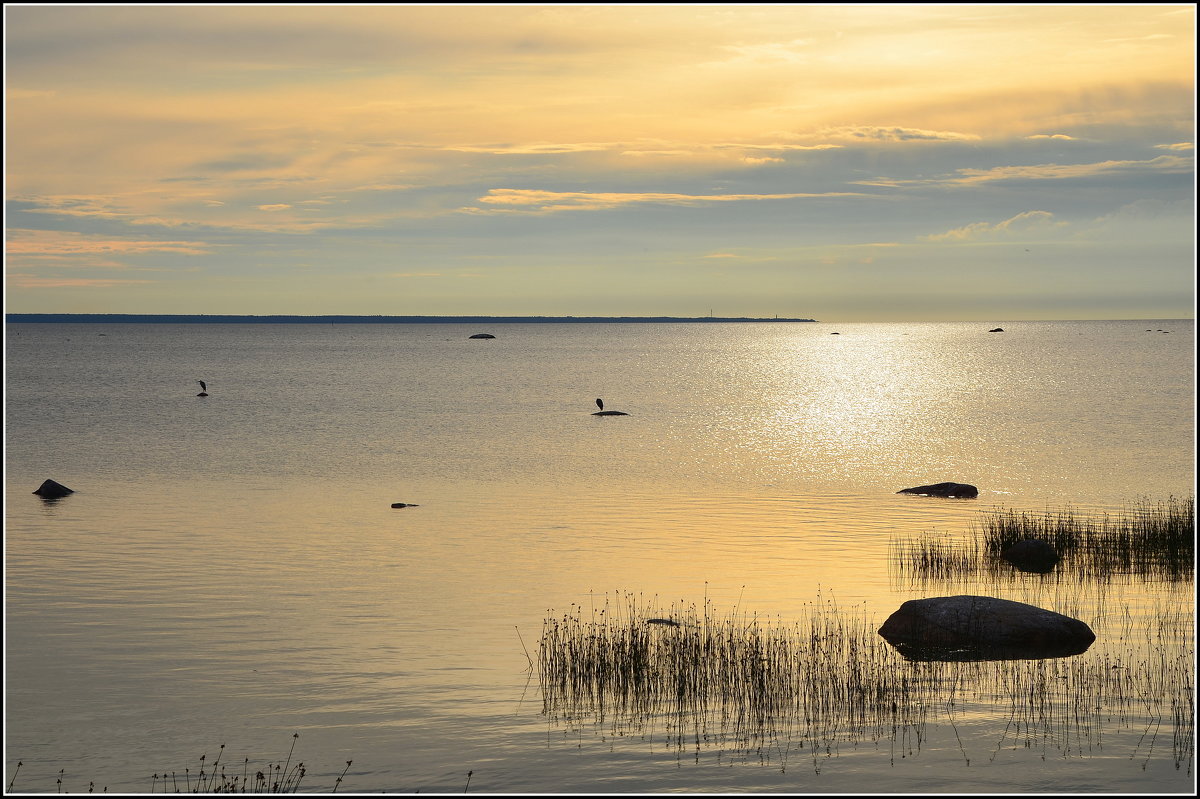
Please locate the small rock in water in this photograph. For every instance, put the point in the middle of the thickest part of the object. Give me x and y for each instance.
(1031, 555)
(482, 335)
(403, 505)
(52, 490)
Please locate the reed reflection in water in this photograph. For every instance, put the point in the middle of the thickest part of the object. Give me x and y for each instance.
(750, 687)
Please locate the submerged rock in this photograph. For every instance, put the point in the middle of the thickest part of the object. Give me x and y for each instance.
(956, 490)
(52, 490)
(1031, 555)
(983, 628)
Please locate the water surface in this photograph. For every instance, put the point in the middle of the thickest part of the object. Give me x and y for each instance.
(230, 570)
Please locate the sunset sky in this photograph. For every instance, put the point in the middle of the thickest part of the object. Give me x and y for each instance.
(840, 162)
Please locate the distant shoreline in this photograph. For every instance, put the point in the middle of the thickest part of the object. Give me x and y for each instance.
(65, 318)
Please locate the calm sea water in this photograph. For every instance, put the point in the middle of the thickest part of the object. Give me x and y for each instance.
(230, 570)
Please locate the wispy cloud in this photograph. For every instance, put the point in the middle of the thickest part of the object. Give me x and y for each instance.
(898, 134)
(642, 148)
(58, 244)
(538, 201)
(25, 281)
(1165, 164)
(1021, 224)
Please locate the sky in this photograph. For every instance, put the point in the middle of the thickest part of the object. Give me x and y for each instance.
(839, 162)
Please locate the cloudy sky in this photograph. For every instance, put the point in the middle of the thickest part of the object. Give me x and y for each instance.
(838, 162)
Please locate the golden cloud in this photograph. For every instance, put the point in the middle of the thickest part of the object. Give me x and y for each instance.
(54, 243)
(546, 201)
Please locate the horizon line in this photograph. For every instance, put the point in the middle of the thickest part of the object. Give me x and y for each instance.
(377, 318)
(40, 317)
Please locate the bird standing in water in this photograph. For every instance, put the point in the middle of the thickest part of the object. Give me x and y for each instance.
(203, 389)
(600, 404)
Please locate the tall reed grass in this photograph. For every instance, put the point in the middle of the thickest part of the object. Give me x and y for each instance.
(1152, 540)
(743, 682)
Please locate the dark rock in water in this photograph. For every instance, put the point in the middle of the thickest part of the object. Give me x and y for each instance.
(1031, 555)
(403, 505)
(52, 490)
(482, 335)
(955, 490)
(982, 628)
(996, 330)
(668, 622)
(610, 413)
(835, 334)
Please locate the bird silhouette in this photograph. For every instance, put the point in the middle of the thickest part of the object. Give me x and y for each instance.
(600, 404)
(203, 389)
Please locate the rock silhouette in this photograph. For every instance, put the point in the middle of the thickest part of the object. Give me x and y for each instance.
(955, 490)
(1031, 555)
(983, 628)
(602, 412)
(52, 490)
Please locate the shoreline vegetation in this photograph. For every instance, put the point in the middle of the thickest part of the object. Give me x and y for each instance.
(768, 690)
(217, 777)
(191, 319)
(1148, 540)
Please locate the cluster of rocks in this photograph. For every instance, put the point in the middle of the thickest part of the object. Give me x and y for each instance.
(985, 628)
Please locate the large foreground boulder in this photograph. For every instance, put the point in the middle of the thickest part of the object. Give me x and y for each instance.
(982, 628)
(956, 490)
(52, 490)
